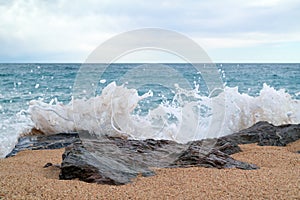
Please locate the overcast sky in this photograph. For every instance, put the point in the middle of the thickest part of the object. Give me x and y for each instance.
(228, 30)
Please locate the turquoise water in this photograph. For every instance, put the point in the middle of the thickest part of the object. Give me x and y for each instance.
(21, 83)
(250, 77)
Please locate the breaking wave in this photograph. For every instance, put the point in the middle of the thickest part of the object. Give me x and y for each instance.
(188, 116)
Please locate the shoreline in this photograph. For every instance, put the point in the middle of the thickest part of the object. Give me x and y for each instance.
(23, 177)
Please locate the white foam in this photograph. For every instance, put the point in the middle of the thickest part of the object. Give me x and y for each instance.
(102, 81)
(11, 128)
(274, 106)
(188, 117)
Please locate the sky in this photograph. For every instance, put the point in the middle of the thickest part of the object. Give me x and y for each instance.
(228, 30)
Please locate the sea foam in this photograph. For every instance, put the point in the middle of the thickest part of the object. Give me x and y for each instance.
(187, 117)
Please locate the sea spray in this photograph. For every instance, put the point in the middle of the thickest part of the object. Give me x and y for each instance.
(112, 113)
(245, 104)
(11, 128)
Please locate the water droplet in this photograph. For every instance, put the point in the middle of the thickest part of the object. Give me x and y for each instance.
(102, 81)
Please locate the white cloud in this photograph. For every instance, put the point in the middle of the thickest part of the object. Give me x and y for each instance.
(247, 40)
(267, 3)
(70, 30)
(31, 27)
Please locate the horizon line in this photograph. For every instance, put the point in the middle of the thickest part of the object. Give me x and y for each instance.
(151, 63)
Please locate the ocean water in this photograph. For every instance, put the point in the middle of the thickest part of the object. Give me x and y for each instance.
(167, 101)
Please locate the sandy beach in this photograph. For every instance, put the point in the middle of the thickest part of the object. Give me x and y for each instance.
(23, 177)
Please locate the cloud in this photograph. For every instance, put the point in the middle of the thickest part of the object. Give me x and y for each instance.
(61, 30)
(35, 28)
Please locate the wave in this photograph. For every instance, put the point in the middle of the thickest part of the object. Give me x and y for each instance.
(119, 111)
(188, 116)
(11, 128)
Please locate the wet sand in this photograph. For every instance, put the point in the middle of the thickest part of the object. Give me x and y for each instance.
(23, 177)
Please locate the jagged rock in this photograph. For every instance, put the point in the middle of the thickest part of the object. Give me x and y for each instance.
(37, 142)
(214, 159)
(114, 160)
(84, 165)
(110, 160)
(227, 147)
(117, 161)
(214, 155)
(48, 165)
(266, 134)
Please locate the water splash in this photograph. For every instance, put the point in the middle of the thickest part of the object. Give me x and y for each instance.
(187, 117)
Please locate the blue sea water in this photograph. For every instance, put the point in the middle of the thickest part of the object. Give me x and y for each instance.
(54, 84)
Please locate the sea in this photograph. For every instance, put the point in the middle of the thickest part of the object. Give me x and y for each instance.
(180, 102)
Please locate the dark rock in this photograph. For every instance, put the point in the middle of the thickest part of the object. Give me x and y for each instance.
(111, 160)
(51, 165)
(227, 147)
(117, 161)
(37, 142)
(86, 166)
(200, 153)
(266, 134)
(214, 159)
(48, 165)
(114, 160)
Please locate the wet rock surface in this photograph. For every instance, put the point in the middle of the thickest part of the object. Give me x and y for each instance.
(266, 134)
(203, 154)
(38, 142)
(116, 161)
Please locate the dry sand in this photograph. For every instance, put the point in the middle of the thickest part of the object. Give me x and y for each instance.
(23, 177)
